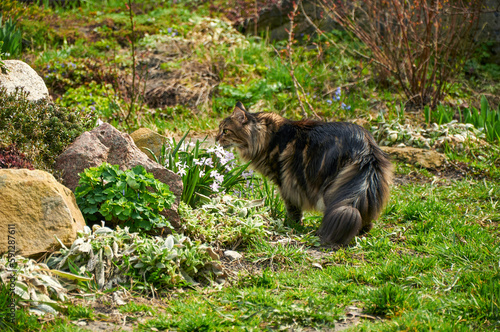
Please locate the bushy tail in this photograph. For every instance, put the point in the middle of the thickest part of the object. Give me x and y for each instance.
(355, 198)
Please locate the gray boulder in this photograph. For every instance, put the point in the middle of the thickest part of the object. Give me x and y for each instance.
(18, 74)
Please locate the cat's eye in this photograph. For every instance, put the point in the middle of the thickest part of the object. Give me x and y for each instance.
(224, 131)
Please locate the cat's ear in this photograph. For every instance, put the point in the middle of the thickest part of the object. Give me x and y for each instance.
(239, 113)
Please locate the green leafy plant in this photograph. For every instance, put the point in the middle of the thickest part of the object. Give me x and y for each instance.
(226, 221)
(442, 114)
(146, 263)
(41, 130)
(11, 37)
(204, 171)
(99, 98)
(487, 118)
(123, 197)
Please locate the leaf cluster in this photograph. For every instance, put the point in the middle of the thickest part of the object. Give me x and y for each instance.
(131, 198)
(113, 257)
(226, 221)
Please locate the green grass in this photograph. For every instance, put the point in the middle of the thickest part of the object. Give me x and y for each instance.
(431, 263)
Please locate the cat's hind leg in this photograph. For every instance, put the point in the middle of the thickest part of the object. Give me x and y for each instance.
(293, 213)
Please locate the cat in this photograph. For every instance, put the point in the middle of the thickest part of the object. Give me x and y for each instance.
(334, 167)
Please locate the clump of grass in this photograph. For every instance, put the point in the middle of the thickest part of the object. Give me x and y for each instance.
(81, 312)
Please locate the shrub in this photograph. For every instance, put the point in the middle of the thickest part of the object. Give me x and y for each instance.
(41, 129)
(10, 157)
(422, 44)
(132, 198)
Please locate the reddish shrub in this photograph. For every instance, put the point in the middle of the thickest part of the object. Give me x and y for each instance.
(10, 157)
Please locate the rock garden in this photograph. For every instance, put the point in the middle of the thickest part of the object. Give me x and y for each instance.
(120, 212)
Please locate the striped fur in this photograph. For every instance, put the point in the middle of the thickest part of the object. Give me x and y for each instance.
(334, 167)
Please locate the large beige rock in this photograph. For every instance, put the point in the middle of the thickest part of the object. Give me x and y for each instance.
(145, 139)
(420, 157)
(21, 75)
(106, 144)
(40, 208)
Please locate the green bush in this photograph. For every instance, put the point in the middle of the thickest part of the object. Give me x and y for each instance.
(41, 129)
(123, 197)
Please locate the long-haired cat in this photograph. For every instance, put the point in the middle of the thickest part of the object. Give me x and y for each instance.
(335, 167)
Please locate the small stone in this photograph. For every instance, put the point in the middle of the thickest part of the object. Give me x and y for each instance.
(232, 255)
(425, 158)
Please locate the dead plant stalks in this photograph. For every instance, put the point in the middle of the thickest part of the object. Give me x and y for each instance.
(421, 43)
(299, 90)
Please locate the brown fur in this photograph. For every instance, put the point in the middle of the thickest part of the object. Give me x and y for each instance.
(333, 167)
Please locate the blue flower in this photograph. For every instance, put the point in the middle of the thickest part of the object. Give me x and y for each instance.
(169, 30)
(329, 102)
(92, 108)
(345, 107)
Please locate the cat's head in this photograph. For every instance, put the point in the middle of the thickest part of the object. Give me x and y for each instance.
(235, 130)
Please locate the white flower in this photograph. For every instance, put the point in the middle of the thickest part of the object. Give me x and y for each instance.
(202, 173)
(214, 174)
(209, 162)
(198, 162)
(215, 187)
(181, 171)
